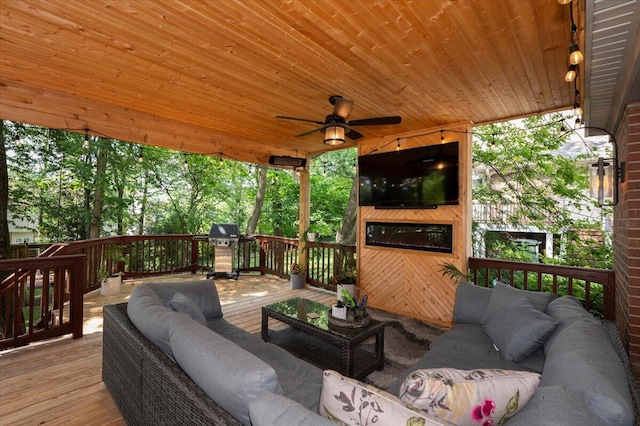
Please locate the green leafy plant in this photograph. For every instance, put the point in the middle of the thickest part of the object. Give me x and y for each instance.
(297, 269)
(346, 276)
(451, 271)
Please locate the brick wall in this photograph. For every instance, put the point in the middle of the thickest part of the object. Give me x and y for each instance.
(626, 230)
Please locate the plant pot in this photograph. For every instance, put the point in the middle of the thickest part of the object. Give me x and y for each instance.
(351, 289)
(311, 236)
(111, 286)
(297, 281)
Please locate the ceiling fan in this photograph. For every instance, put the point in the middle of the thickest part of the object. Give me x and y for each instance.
(336, 126)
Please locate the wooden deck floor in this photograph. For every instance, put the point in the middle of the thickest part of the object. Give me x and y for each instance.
(59, 381)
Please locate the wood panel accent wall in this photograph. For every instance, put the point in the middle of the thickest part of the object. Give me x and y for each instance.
(410, 282)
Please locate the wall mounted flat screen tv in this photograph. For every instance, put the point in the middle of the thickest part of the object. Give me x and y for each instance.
(423, 177)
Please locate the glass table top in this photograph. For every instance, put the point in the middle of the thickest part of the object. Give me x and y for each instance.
(315, 314)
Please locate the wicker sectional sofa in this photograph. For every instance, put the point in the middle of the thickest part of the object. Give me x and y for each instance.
(162, 367)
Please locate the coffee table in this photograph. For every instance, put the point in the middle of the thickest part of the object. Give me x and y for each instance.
(311, 337)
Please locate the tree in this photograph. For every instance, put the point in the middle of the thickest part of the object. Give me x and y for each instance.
(525, 173)
(252, 223)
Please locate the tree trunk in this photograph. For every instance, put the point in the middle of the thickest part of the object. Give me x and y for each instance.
(98, 199)
(347, 232)
(5, 239)
(143, 206)
(257, 206)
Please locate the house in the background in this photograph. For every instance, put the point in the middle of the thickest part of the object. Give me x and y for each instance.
(538, 242)
(22, 231)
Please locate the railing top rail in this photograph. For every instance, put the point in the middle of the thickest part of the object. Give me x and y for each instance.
(545, 268)
(40, 261)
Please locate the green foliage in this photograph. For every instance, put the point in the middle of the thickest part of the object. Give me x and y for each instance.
(53, 181)
(536, 188)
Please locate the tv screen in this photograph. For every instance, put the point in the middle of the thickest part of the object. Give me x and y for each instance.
(412, 178)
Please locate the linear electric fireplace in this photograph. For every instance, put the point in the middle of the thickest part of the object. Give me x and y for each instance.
(412, 236)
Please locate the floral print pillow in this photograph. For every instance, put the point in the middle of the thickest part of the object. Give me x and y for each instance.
(350, 402)
(469, 397)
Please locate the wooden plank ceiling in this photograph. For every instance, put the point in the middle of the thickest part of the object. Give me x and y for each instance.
(211, 76)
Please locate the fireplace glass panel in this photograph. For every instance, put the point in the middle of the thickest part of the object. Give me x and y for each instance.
(412, 236)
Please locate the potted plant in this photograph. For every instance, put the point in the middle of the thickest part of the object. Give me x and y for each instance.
(345, 280)
(297, 276)
(111, 281)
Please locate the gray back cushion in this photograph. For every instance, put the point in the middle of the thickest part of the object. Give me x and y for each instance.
(151, 317)
(471, 303)
(582, 359)
(231, 376)
(503, 294)
(202, 292)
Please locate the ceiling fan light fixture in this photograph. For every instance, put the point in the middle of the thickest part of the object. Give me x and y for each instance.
(334, 135)
(575, 55)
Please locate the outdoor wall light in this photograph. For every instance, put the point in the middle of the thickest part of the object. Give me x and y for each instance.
(334, 135)
(575, 55)
(604, 178)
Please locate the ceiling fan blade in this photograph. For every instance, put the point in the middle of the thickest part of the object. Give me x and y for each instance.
(354, 135)
(310, 132)
(342, 107)
(395, 119)
(284, 117)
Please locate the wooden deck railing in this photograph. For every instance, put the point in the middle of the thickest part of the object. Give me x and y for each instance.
(594, 287)
(29, 284)
(40, 298)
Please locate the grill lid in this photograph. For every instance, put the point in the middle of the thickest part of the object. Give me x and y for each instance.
(224, 230)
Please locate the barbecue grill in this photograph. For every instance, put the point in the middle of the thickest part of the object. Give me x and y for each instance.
(224, 236)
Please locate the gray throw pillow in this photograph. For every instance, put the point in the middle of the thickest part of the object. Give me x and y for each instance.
(202, 292)
(181, 303)
(519, 329)
(503, 294)
(471, 302)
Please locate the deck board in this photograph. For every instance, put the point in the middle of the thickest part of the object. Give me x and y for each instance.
(60, 381)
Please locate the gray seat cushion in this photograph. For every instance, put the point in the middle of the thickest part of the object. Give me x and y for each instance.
(300, 381)
(231, 376)
(269, 409)
(555, 406)
(467, 347)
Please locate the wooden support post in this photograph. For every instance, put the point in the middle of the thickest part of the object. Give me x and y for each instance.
(304, 213)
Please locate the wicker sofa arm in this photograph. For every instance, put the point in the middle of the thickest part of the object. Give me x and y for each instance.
(145, 384)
